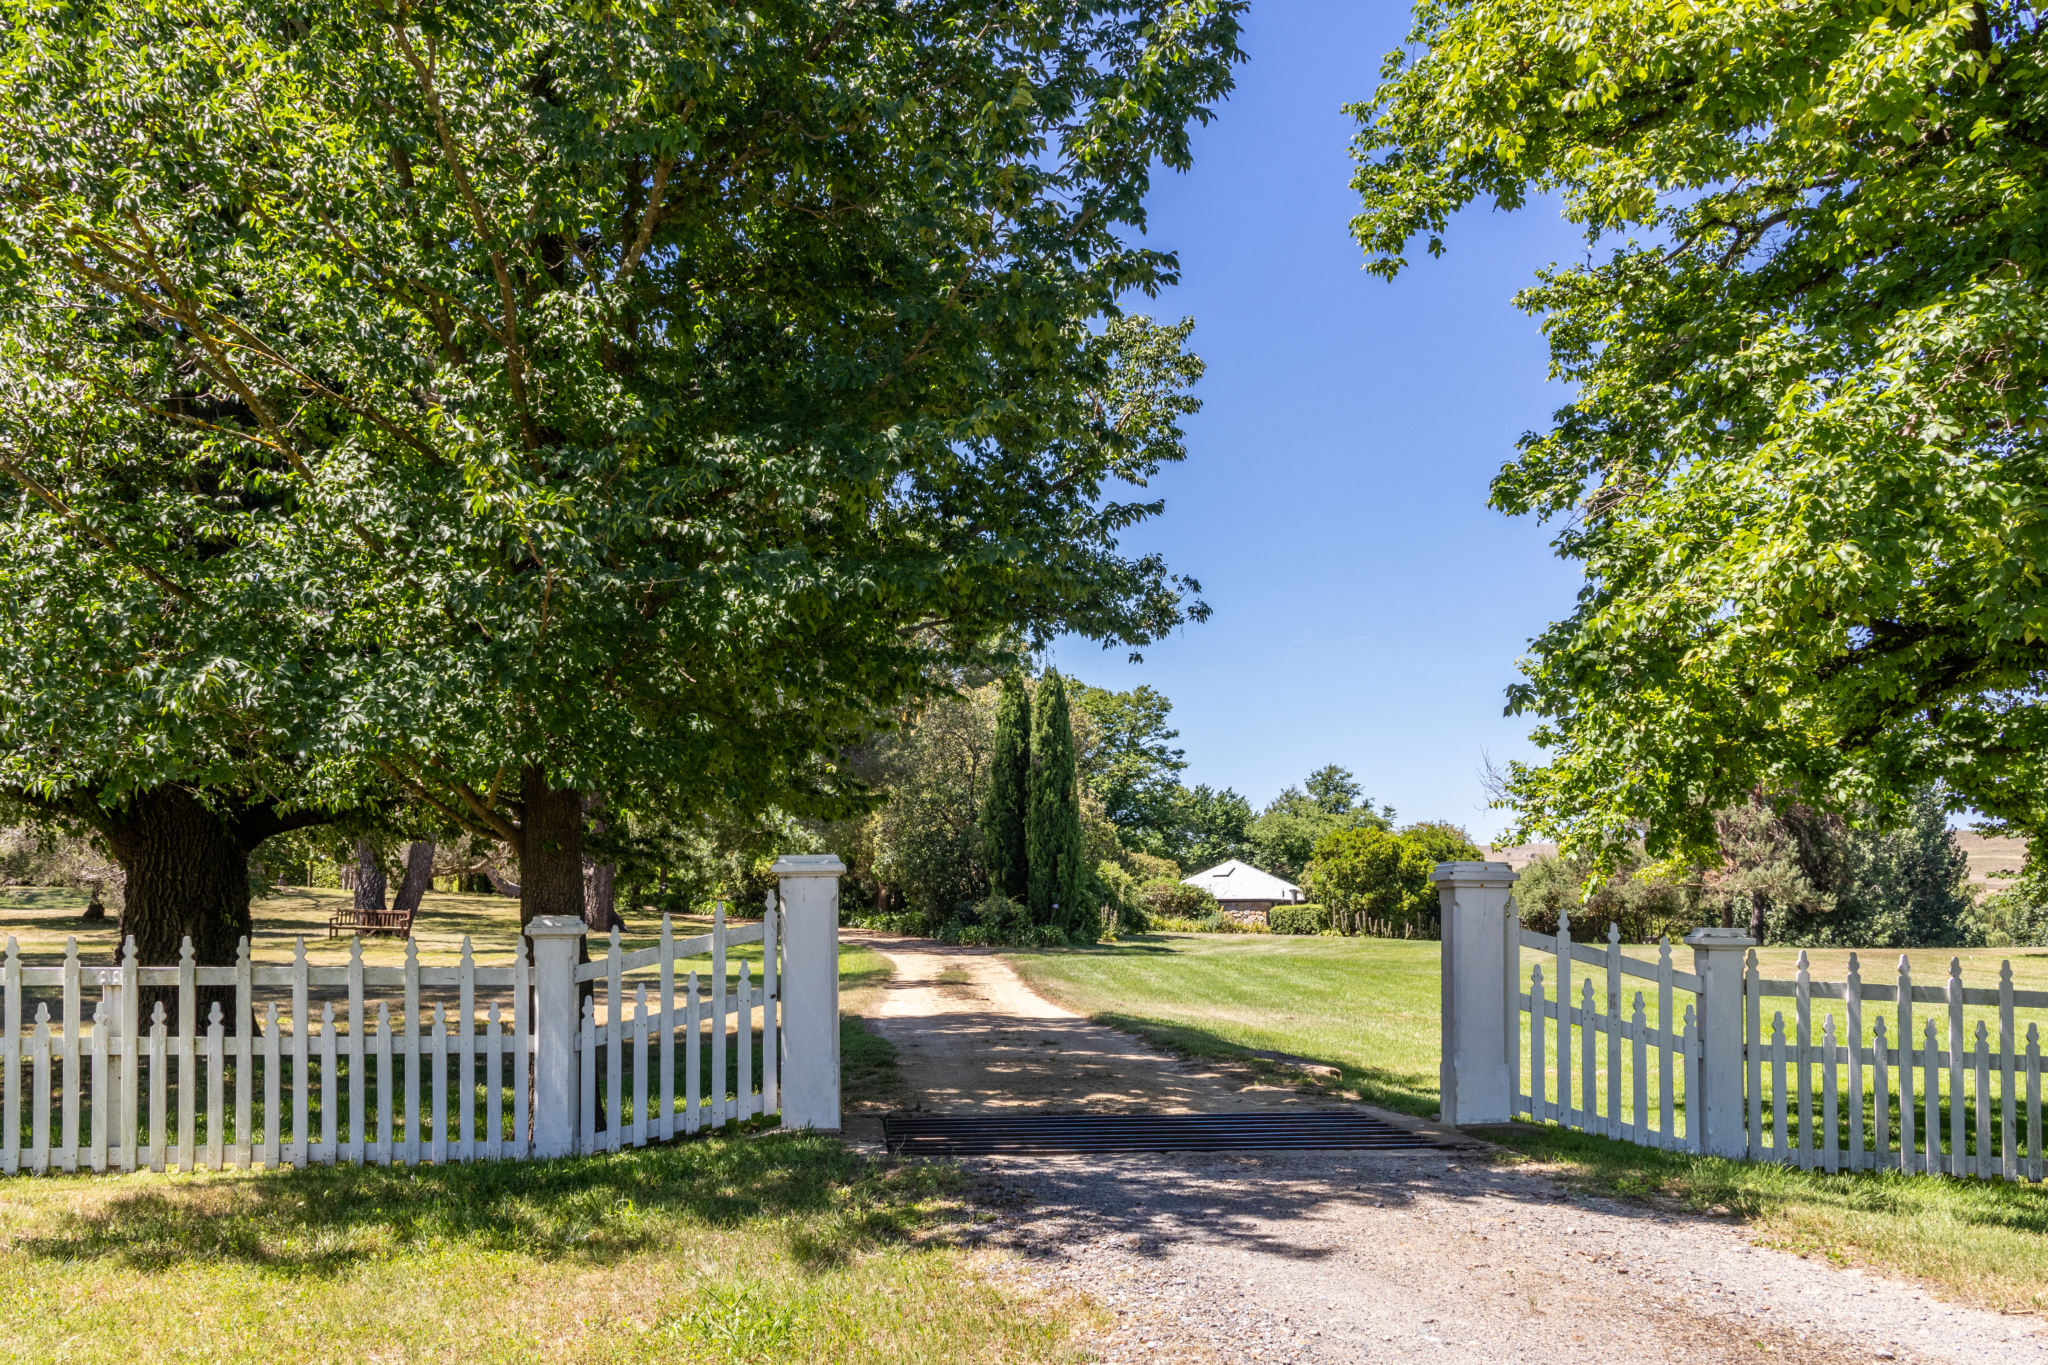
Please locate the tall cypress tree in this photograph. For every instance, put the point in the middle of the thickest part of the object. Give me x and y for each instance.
(1053, 826)
(1009, 788)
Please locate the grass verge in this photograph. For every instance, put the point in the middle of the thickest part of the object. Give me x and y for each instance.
(867, 1061)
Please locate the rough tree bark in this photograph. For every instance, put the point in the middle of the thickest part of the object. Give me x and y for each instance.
(369, 877)
(187, 871)
(550, 848)
(419, 877)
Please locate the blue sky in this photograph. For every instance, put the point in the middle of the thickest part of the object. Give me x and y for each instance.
(1369, 605)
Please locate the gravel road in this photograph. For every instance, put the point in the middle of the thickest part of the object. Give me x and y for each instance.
(1350, 1256)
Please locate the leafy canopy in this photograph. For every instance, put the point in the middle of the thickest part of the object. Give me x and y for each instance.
(400, 396)
(1804, 467)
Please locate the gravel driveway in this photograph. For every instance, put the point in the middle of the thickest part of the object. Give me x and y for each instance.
(1353, 1256)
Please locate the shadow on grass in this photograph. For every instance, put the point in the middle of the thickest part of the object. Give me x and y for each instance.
(1755, 1190)
(823, 1202)
(1405, 1092)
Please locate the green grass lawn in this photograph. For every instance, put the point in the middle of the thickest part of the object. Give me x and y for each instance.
(723, 1248)
(1368, 1008)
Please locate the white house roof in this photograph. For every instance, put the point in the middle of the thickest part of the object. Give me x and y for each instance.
(1236, 881)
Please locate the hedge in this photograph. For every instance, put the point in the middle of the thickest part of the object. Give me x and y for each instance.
(1299, 919)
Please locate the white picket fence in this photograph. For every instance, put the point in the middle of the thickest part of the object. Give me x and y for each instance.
(1992, 1130)
(388, 1081)
(1943, 1093)
(1637, 1051)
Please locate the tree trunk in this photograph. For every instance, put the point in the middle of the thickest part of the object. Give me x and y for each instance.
(601, 899)
(188, 874)
(419, 877)
(550, 848)
(1757, 904)
(369, 877)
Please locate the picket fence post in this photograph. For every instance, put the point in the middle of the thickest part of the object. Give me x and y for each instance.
(1479, 1020)
(554, 1021)
(1716, 1114)
(810, 989)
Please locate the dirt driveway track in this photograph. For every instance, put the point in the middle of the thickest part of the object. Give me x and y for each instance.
(1356, 1256)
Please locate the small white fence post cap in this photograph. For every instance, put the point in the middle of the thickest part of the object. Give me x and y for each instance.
(1474, 874)
(1719, 938)
(808, 865)
(556, 926)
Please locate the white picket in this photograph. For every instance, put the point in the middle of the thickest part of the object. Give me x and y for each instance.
(159, 1109)
(216, 1090)
(1802, 1059)
(1909, 1158)
(96, 1155)
(409, 1022)
(128, 1121)
(330, 1101)
(2035, 1170)
(771, 1022)
(67, 1156)
(1830, 1158)
(1639, 1128)
(667, 966)
(1881, 1146)
(588, 1071)
(1779, 1151)
(273, 1108)
(1958, 1138)
(2008, 1156)
(1753, 1048)
(356, 1147)
(1612, 1025)
(1539, 1089)
(243, 1153)
(1853, 1007)
(1589, 1031)
(1930, 1058)
(301, 1150)
(387, 1093)
(437, 1042)
(464, 1146)
(494, 1092)
(719, 1001)
(615, 1044)
(1563, 983)
(39, 1093)
(1981, 1165)
(749, 1098)
(522, 1057)
(693, 1117)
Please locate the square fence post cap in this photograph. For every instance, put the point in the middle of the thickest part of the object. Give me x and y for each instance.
(808, 865)
(1719, 938)
(1474, 874)
(556, 926)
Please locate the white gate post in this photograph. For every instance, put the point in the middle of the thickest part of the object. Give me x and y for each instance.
(810, 989)
(1478, 1007)
(1717, 956)
(555, 1016)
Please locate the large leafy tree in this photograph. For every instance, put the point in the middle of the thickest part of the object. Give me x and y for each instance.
(512, 403)
(1804, 466)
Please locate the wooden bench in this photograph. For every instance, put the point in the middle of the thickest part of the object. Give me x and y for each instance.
(359, 922)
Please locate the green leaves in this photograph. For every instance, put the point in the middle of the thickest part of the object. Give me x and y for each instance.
(1803, 467)
(664, 394)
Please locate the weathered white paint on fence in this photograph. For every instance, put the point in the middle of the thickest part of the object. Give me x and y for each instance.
(444, 1080)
